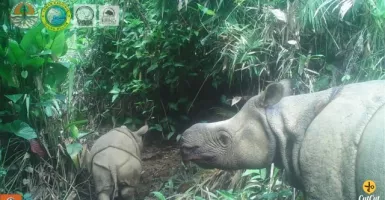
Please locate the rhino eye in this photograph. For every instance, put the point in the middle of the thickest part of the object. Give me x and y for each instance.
(224, 139)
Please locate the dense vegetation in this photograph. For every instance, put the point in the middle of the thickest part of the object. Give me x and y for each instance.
(172, 64)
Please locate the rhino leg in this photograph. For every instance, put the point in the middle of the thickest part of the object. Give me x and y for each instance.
(104, 196)
(103, 182)
(114, 167)
(129, 177)
(127, 193)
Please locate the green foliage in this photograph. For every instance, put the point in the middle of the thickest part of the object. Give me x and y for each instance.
(159, 195)
(205, 10)
(33, 87)
(74, 149)
(20, 129)
(166, 47)
(146, 57)
(251, 184)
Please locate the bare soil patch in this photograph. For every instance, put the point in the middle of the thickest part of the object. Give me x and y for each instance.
(158, 163)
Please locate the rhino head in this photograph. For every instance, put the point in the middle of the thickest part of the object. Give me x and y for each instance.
(241, 142)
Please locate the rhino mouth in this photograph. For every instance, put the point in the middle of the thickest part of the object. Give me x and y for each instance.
(192, 154)
(202, 161)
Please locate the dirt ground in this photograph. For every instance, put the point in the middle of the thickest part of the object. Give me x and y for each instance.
(158, 163)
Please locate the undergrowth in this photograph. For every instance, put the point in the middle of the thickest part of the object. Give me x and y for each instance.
(219, 184)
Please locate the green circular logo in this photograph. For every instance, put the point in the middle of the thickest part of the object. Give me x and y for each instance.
(56, 16)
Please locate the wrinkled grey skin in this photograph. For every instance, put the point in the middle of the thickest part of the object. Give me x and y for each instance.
(328, 142)
(115, 162)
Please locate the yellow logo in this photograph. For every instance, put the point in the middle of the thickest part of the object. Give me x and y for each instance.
(56, 16)
(369, 186)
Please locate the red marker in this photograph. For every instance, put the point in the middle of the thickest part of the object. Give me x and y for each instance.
(11, 197)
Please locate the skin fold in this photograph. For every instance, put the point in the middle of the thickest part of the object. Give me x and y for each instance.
(328, 142)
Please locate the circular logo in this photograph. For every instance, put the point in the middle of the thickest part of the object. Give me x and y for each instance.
(369, 186)
(10, 198)
(24, 15)
(56, 16)
(84, 15)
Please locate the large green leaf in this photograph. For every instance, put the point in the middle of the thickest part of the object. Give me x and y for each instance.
(16, 54)
(73, 150)
(74, 131)
(35, 62)
(159, 195)
(58, 45)
(53, 34)
(41, 40)
(29, 42)
(20, 129)
(14, 97)
(55, 74)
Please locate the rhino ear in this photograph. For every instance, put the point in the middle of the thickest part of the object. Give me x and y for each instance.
(143, 130)
(287, 85)
(275, 92)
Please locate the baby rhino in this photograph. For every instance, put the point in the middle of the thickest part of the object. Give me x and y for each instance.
(115, 163)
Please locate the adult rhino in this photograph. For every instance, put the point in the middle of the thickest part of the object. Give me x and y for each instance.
(329, 142)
